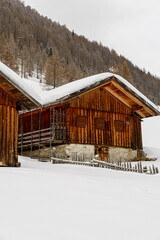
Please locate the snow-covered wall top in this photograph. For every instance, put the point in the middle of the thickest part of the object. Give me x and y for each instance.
(42, 95)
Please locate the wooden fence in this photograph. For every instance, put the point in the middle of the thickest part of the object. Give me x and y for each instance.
(122, 166)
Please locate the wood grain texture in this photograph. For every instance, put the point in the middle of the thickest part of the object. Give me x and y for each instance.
(103, 111)
(8, 129)
(90, 119)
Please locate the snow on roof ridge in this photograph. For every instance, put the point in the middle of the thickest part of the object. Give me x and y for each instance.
(47, 97)
(72, 87)
(77, 85)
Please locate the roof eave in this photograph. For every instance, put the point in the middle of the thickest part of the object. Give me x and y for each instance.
(77, 93)
(137, 96)
(101, 83)
(37, 104)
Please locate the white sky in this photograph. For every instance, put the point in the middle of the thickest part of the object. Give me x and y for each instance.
(131, 27)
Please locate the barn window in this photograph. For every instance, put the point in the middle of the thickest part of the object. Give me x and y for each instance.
(119, 125)
(81, 121)
(100, 123)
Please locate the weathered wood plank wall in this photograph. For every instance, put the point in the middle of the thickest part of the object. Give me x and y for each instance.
(98, 118)
(8, 129)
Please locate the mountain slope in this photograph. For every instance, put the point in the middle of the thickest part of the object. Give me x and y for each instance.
(34, 45)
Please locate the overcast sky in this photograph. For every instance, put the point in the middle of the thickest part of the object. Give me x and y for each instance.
(130, 27)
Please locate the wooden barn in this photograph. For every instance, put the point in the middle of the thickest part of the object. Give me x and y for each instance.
(100, 114)
(13, 97)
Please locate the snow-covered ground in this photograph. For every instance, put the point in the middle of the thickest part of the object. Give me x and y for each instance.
(42, 201)
(151, 132)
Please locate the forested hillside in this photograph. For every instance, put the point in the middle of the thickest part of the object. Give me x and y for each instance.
(33, 45)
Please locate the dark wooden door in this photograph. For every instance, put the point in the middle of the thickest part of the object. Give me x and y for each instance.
(102, 152)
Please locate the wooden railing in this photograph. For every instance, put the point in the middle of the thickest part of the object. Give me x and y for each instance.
(29, 136)
(41, 136)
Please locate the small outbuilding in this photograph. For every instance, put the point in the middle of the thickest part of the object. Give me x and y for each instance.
(14, 96)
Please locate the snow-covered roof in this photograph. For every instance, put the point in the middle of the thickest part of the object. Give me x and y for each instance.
(67, 91)
(20, 84)
(40, 94)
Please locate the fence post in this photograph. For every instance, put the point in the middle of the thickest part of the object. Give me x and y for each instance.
(40, 113)
(21, 135)
(31, 136)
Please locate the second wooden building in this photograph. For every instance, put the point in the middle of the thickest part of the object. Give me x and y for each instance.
(100, 114)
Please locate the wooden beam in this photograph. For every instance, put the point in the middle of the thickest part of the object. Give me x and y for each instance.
(117, 96)
(137, 107)
(9, 93)
(133, 98)
(13, 96)
(122, 99)
(27, 100)
(141, 114)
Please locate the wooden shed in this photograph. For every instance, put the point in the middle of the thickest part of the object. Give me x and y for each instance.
(13, 97)
(102, 111)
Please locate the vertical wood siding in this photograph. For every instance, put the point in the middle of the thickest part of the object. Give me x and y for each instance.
(101, 104)
(8, 130)
(93, 105)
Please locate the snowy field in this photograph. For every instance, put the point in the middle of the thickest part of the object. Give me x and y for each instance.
(41, 201)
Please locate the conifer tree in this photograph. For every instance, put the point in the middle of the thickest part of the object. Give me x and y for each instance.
(30, 35)
(125, 72)
(8, 57)
(55, 71)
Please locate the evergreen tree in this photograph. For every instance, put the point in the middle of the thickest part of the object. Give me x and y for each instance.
(125, 72)
(25, 40)
(8, 57)
(55, 71)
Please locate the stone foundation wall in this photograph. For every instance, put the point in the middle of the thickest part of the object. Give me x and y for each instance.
(70, 150)
(123, 154)
(88, 151)
(82, 151)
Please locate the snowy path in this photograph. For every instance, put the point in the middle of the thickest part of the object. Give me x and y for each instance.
(41, 201)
